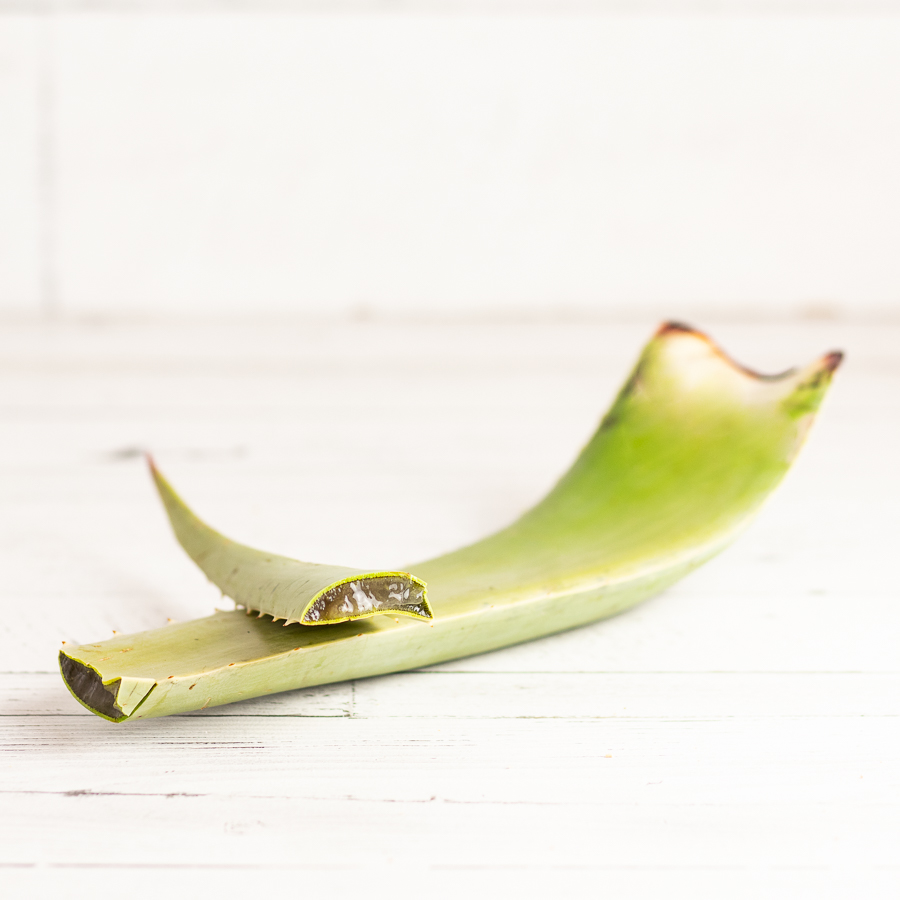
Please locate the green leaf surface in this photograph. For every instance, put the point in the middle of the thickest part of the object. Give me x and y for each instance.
(286, 589)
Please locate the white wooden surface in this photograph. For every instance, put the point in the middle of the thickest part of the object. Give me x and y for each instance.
(736, 737)
(680, 157)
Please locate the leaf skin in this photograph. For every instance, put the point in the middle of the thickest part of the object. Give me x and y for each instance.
(287, 589)
(689, 450)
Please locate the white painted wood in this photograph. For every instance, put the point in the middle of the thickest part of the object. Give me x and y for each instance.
(538, 880)
(593, 816)
(243, 162)
(579, 797)
(490, 7)
(735, 737)
(23, 80)
(678, 696)
(429, 159)
(533, 695)
(803, 765)
(44, 694)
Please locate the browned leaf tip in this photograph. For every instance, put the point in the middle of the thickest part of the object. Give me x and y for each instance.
(832, 360)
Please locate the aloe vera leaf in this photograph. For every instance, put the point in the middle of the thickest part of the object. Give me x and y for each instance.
(286, 589)
(691, 447)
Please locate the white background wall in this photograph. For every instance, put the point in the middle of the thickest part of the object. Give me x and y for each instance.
(438, 158)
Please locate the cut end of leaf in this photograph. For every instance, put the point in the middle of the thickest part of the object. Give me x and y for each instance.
(115, 700)
(88, 687)
(369, 595)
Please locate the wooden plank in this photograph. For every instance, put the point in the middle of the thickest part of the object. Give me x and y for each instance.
(45, 694)
(544, 695)
(402, 873)
(795, 761)
(594, 827)
(670, 695)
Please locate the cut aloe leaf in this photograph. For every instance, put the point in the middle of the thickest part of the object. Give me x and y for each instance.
(689, 450)
(286, 589)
